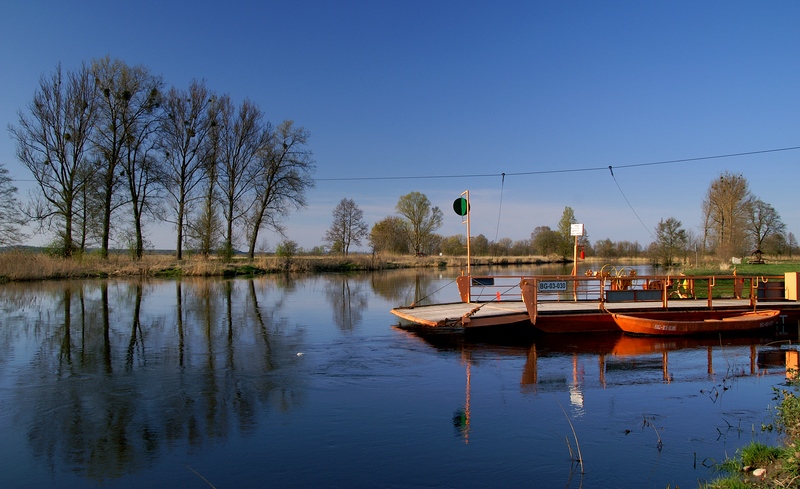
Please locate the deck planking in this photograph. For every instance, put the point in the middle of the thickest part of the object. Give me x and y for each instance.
(499, 313)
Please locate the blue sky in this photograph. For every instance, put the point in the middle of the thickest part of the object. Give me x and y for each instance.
(448, 89)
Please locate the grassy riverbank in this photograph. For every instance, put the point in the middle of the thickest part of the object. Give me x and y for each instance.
(31, 265)
(749, 270)
(17, 265)
(759, 466)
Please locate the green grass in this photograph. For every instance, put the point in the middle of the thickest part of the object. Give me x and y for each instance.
(731, 482)
(759, 455)
(753, 455)
(783, 462)
(723, 287)
(749, 270)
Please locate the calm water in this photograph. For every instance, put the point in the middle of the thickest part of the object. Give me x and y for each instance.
(304, 382)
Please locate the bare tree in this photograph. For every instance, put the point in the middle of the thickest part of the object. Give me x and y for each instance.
(242, 138)
(142, 171)
(282, 175)
(791, 243)
(348, 227)
(53, 144)
(11, 214)
(726, 208)
(423, 219)
(764, 221)
(205, 228)
(128, 99)
(184, 141)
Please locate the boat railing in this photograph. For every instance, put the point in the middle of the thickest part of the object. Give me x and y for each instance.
(487, 288)
(603, 288)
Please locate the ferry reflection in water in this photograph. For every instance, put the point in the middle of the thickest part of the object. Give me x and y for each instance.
(620, 358)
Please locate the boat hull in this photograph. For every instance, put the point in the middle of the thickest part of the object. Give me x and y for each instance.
(666, 326)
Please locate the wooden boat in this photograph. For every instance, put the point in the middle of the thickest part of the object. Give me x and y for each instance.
(747, 321)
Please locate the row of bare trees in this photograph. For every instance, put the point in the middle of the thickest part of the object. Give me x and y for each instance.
(736, 222)
(111, 148)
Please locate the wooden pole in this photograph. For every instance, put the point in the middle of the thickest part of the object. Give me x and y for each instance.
(469, 273)
(575, 258)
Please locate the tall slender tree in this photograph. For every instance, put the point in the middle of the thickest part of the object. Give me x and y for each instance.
(348, 227)
(128, 100)
(242, 138)
(11, 215)
(725, 213)
(205, 229)
(185, 143)
(282, 174)
(564, 230)
(791, 243)
(53, 144)
(142, 172)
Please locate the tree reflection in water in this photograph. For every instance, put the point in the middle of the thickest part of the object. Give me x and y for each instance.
(403, 287)
(348, 299)
(136, 370)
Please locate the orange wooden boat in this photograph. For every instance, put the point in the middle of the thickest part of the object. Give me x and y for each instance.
(747, 321)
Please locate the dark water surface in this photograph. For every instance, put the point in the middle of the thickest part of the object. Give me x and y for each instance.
(304, 382)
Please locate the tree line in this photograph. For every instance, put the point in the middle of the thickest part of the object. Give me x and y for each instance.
(110, 148)
(736, 223)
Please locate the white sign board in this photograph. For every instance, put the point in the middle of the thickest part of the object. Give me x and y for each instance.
(576, 230)
(552, 286)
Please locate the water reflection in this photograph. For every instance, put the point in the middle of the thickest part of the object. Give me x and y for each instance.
(614, 351)
(118, 383)
(348, 298)
(132, 377)
(419, 286)
(617, 359)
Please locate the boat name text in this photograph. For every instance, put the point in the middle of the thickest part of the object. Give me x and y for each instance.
(553, 286)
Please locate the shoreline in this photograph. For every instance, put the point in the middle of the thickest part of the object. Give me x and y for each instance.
(20, 266)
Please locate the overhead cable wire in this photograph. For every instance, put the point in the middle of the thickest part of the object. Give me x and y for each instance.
(567, 170)
(629, 203)
(500, 208)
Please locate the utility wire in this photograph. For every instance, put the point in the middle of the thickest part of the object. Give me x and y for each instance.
(629, 203)
(569, 170)
(500, 209)
(540, 172)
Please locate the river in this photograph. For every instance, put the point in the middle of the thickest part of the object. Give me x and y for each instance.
(305, 381)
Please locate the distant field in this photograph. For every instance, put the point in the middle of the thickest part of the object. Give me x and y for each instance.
(751, 269)
(21, 265)
(34, 264)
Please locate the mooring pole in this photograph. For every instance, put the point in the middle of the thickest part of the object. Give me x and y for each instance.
(465, 219)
